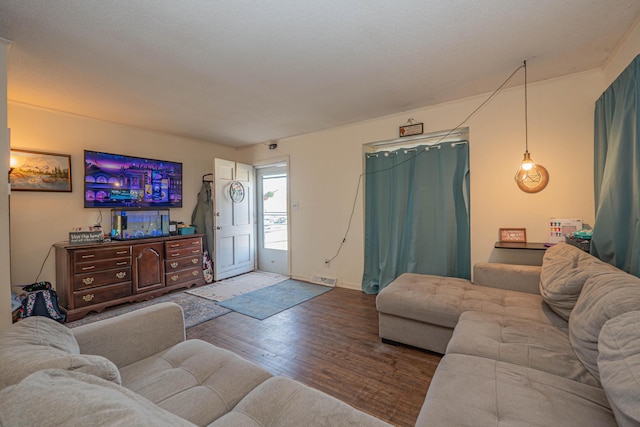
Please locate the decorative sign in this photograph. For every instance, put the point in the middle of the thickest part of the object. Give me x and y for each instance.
(513, 235)
(411, 129)
(236, 191)
(85, 237)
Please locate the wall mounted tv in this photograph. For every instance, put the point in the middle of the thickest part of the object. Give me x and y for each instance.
(117, 181)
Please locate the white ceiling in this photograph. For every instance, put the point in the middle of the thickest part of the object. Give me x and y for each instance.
(240, 72)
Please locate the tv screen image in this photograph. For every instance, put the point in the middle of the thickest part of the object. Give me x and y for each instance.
(117, 181)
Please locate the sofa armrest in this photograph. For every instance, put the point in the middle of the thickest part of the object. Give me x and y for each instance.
(513, 277)
(133, 336)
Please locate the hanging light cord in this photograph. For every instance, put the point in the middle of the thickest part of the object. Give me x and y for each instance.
(526, 115)
(489, 98)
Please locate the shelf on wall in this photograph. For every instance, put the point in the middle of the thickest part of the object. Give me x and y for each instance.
(521, 245)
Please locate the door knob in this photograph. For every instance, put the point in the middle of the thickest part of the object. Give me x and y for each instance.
(218, 228)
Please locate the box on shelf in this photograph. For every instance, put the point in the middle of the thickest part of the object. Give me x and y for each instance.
(186, 230)
(560, 227)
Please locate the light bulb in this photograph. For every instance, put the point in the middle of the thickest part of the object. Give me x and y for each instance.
(527, 163)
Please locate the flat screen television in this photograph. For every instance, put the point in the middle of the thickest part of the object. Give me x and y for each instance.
(117, 181)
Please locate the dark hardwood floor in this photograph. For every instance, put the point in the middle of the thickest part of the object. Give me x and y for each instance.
(331, 343)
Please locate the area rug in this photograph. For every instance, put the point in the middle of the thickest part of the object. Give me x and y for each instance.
(196, 310)
(271, 300)
(234, 286)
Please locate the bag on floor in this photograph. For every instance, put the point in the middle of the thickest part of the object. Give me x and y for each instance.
(41, 300)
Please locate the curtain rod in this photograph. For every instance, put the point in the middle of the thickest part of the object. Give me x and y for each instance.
(458, 135)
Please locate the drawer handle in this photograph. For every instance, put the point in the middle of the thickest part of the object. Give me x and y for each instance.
(195, 243)
(122, 263)
(176, 254)
(121, 274)
(87, 256)
(122, 252)
(88, 297)
(197, 251)
(88, 280)
(91, 267)
(195, 260)
(194, 273)
(174, 278)
(176, 245)
(174, 264)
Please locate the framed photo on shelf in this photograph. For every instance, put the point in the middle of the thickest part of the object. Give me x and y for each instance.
(38, 171)
(518, 235)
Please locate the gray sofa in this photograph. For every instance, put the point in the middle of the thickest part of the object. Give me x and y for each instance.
(137, 369)
(537, 346)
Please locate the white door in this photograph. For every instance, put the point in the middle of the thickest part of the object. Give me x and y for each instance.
(233, 222)
(273, 219)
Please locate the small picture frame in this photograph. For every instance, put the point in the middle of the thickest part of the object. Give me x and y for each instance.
(513, 235)
(38, 171)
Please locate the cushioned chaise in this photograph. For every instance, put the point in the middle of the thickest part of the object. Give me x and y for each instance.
(520, 341)
(422, 310)
(477, 391)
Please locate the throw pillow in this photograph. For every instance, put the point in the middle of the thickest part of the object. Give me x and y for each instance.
(619, 364)
(565, 269)
(37, 343)
(604, 296)
(54, 397)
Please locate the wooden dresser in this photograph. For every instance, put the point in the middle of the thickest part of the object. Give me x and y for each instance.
(95, 276)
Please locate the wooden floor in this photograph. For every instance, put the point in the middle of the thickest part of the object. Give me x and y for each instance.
(331, 343)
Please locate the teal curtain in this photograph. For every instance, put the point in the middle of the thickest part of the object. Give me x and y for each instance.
(616, 232)
(416, 214)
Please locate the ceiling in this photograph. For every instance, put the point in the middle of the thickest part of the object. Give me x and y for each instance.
(241, 72)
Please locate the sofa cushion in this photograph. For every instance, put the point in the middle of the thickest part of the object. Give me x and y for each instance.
(476, 391)
(440, 300)
(565, 268)
(519, 341)
(605, 296)
(281, 402)
(37, 343)
(194, 380)
(55, 397)
(619, 364)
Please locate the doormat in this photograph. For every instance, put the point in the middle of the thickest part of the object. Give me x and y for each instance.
(235, 286)
(271, 300)
(196, 310)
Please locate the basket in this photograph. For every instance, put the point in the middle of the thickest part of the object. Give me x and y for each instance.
(186, 230)
(584, 244)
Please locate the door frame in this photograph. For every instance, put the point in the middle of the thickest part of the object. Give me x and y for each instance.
(277, 161)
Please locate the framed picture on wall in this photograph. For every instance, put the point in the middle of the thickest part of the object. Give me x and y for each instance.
(38, 171)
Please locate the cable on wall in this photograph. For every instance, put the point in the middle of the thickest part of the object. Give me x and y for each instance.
(418, 153)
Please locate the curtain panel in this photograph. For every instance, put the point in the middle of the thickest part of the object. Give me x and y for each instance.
(616, 231)
(416, 214)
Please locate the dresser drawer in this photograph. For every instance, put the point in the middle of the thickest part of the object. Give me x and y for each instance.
(182, 263)
(89, 267)
(183, 252)
(87, 255)
(183, 276)
(184, 243)
(101, 278)
(103, 294)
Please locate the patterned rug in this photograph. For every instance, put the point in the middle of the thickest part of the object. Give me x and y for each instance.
(271, 300)
(196, 310)
(234, 286)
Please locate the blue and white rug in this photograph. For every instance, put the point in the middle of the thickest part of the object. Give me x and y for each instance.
(271, 300)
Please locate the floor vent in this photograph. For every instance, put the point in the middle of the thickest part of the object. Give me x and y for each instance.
(325, 281)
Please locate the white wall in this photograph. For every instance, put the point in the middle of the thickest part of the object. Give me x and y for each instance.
(324, 170)
(40, 219)
(5, 267)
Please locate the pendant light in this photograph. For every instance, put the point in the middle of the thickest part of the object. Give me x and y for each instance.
(530, 177)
